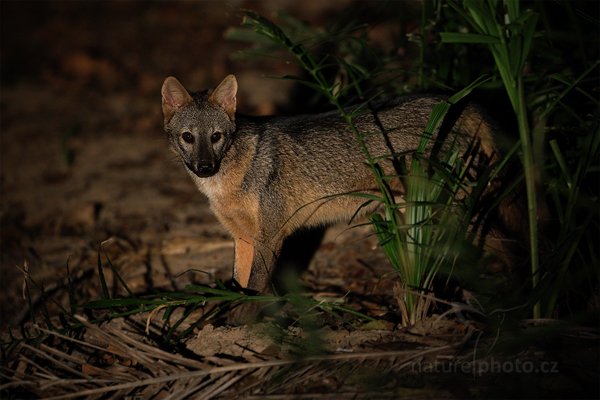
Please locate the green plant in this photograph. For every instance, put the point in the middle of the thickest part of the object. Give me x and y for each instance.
(508, 33)
(537, 73)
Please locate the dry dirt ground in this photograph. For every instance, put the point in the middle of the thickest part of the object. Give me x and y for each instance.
(85, 166)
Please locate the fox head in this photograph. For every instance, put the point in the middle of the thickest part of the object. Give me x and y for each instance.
(200, 126)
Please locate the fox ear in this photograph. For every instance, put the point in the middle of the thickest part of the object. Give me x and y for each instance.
(174, 96)
(224, 95)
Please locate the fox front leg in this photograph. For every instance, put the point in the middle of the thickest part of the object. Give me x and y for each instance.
(254, 261)
(251, 270)
(258, 236)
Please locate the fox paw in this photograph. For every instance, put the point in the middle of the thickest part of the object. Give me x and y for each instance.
(244, 313)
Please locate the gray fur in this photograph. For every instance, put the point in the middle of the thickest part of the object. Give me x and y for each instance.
(293, 165)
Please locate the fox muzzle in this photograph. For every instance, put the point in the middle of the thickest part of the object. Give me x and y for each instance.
(204, 164)
(203, 168)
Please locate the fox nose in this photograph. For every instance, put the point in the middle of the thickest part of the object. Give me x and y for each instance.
(205, 168)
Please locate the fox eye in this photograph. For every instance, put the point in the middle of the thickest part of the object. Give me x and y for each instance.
(216, 137)
(187, 137)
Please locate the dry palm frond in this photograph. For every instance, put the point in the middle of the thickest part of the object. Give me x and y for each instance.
(109, 362)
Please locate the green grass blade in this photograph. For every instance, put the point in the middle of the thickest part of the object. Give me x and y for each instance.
(471, 38)
(117, 274)
(103, 285)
